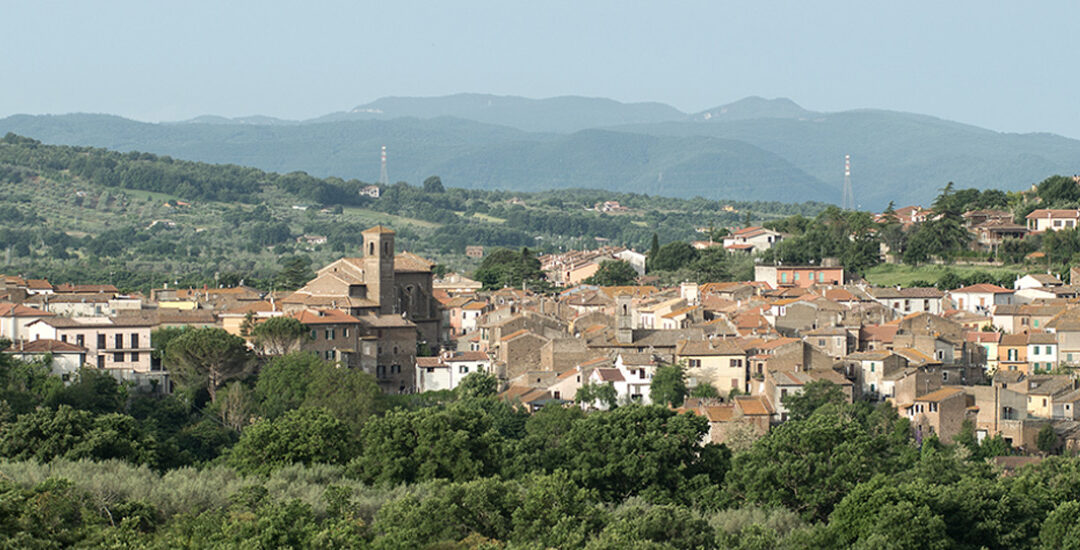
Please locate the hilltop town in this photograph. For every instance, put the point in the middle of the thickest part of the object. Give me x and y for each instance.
(999, 358)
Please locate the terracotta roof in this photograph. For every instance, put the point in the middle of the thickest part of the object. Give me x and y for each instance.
(378, 229)
(915, 356)
(68, 287)
(940, 395)
(610, 375)
(430, 362)
(1044, 278)
(45, 345)
(983, 337)
(92, 322)
(38, 284)
(719, 413)
(386, 321)
(1042, 338)
(1014, 339)
(251, 307)
(707, 348)
(473, 306)
(754, 405)
(19, 310)
(878, 333)
(1053, 213)
(407, 262)
(984, 288)
(323, 317)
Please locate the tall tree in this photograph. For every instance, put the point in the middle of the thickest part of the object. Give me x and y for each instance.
(279, 335)
(207, 357)
(668, 385)
(613, 273)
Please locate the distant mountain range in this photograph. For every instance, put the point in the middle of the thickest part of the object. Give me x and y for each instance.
(753, 149)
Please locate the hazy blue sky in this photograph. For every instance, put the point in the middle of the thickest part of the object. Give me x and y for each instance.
(1009, 66)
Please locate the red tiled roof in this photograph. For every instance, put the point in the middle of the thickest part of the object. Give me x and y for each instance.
(323, 317)
(45, 345)
(19, 310)
(1053, 213)
(984, 288)
(610, 375)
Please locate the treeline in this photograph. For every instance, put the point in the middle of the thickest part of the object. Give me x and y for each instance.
(310, 465)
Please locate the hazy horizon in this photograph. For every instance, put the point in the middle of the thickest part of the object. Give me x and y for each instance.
(1006, 68)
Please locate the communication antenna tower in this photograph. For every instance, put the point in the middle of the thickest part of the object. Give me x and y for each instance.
(848, 201)
(384, 179)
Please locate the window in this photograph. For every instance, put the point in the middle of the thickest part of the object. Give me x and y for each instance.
(118, 357)
(821, 277)
(430, 370)
(926, 305)
(783, 393)
(1049, 350)
(694, 363)
(329, 334)
(556, 395)
(736, 363)
(134, 340)
(380, 371)
(101, 341)
(345, 332)
(314, 334)
(873, 388)
(135, 357)
(100, 361)
(80, 340)
(872, 366)
(783, 277)
(63, 338)
(463, 369)
(944, 376)
(1044, 401)
(1035, 323)
(796, 275)
(821, 342)
(119, 339)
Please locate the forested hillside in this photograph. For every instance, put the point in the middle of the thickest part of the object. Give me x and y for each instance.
(753, 149)
(136, 219)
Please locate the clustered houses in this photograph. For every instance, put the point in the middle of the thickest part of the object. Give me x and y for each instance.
(372, 313)
(571, 268)
(999, 358)
(979, 353)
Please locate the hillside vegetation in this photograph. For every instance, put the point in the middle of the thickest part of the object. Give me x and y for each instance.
(78, 214)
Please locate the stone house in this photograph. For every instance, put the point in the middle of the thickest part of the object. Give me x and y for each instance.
(940, 413)
(720, 362)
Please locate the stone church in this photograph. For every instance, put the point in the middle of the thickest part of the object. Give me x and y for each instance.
(390, 296)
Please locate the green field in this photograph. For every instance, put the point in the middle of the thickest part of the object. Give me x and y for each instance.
(904, 275)
(364, 214)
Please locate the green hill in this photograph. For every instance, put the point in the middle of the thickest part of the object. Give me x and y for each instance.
(80, 214)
